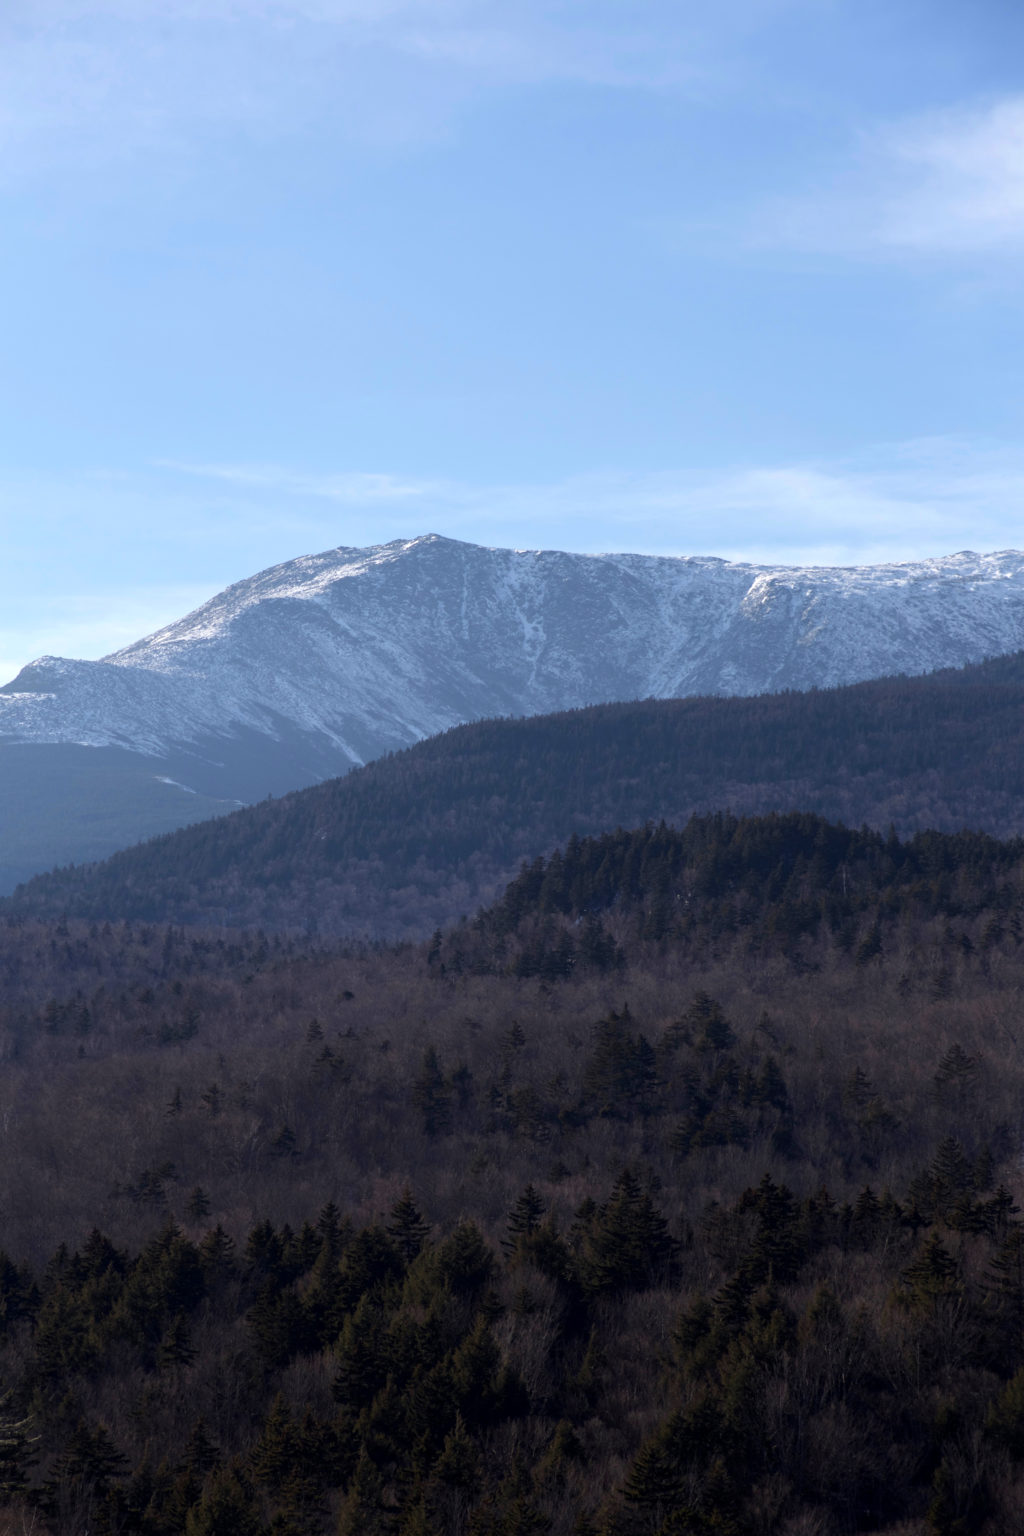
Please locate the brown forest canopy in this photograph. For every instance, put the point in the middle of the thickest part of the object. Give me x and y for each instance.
(677, 1193)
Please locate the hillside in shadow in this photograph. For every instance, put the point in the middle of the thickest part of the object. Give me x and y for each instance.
(418, 838)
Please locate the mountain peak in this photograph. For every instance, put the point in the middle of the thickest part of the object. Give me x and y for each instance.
(363, 650)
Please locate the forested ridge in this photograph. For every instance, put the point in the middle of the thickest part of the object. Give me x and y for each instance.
(676, 1192)
(415, 840)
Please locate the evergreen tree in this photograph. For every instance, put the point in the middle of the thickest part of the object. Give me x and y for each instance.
(198, 1207)
(524, 1218)
(225, 1508)
(176, 1347)
(273, 1456)
(655, 1482)
(932, 1274)
(366, 1510)
(431, 1096)
(200, 1455)
(628, 1245)
(406, 1227)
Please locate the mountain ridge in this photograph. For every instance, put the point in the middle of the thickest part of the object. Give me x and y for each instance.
(415, 839)
(324, 663)
(679, 626)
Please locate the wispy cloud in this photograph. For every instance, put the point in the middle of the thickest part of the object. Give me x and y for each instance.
(353, 489)
(943, 184)
(98, 81)
(897, 502)
(218, 523)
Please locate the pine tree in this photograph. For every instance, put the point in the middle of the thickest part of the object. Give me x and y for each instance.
(83, 1474)
(217, 1257)
(458, 1465)
(333, 1230)
(200, 1454)
(955, 1076)
(365, 1511)
(655, 1481)
(198, 1207)
(629, 1243)
(932, 1274)
(406, 1227)
(176, 1348)
(361, 1356)
(703, 1025)
(430, 1095)
(524, 1218)
(272, 1458)
(225, 1508)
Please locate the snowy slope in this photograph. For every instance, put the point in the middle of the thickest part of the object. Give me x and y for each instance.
(351, 653)
(325, 662)
(369, 650)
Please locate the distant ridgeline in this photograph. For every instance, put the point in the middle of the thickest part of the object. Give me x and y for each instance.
(414, 840)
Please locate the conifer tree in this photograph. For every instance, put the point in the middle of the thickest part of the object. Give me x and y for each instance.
(200, 1455)
(458, 1465)
(86, 1467)
(198, 1207)
(225, 1508)
(332, 1229)
(655, 1481)
(628, 1244)
(365, 1511)
(273, 1455)
(361, 1356)
(463, 1262)
(524, 1218)
(176, 1347)
(406, 1227)
(431, 1096)
(703, 1025)
(932, 1274)
(217, 1257)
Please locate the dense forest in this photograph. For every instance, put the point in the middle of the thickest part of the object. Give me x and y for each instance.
(677, 1193)
(415, 840)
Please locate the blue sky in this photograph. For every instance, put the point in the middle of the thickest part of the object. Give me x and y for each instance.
(742, 279)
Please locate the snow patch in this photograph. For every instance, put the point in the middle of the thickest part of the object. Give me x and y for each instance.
(357, 652)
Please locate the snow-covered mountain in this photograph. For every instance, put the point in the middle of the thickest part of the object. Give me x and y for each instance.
(324, 662)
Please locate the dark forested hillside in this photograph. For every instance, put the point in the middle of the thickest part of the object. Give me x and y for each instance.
(418, 838)
(677, 1194)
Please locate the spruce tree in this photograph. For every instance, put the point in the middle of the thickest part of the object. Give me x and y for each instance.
(406, 1227)
(524, 1218)
(431, 1096)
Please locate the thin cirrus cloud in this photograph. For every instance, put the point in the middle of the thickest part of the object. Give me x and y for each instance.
(943, 184)
(99, 83)
(105, 80)
(353, 488)
(899, 502)
(933, 496)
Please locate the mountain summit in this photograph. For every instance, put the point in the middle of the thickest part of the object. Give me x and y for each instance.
(325, 662)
